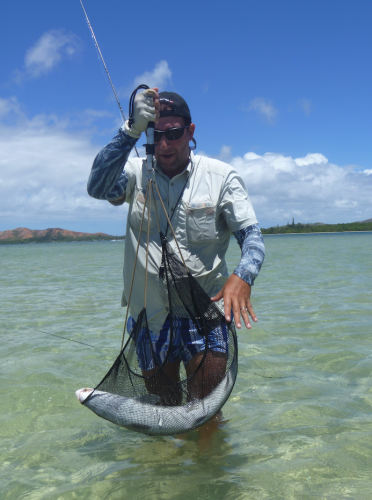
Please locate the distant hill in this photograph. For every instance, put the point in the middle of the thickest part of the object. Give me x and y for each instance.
(25, 235)
(319, 227)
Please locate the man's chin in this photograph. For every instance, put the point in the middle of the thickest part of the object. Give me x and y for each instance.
(171, 166)
(167, 163)
(166, 159)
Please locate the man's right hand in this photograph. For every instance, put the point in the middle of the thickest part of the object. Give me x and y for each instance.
(145, 110)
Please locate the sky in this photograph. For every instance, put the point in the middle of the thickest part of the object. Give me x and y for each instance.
(281, 90)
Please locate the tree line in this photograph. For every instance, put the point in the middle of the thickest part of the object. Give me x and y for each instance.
(318, 228)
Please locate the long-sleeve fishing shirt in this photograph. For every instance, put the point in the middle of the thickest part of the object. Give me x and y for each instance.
(206, 203)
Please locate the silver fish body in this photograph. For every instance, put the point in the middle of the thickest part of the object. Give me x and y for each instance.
(143, 415)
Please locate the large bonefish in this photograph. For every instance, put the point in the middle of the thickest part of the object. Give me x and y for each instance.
(142, 414)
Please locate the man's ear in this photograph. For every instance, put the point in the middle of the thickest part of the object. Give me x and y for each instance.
(191, 130)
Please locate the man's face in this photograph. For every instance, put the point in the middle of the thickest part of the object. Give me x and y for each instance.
(173, 156)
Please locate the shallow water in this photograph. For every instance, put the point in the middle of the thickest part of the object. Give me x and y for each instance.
(299, 419)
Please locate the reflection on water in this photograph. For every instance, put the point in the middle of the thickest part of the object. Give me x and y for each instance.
(298, 421)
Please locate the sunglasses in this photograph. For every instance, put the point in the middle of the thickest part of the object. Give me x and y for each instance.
(172, 134)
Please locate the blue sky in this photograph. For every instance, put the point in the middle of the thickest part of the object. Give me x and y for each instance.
(279, 89)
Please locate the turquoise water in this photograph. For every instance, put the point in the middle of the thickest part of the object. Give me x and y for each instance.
(299, 419)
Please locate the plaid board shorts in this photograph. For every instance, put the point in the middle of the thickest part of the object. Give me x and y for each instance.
(186, 343)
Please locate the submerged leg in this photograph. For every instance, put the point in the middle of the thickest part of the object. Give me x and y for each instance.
(202, 382)
(208, 430)
(161, 382)
(205, 374)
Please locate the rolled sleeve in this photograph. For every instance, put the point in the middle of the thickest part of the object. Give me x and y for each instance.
(235, 204)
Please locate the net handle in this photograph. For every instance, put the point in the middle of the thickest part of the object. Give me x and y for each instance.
(148, 240)
(134, 269)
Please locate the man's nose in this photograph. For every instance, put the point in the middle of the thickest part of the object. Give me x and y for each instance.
(163, 143)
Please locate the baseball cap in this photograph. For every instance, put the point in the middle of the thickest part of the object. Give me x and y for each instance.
(178, 105)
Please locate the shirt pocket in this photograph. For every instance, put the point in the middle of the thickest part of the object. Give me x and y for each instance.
(200, 221)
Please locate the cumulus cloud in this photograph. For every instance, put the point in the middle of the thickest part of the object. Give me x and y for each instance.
(264, 108)
(310, 189)
(44, 167)
(45, 179)
(48, 51)
(160, 77)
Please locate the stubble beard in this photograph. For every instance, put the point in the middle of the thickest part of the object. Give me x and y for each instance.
(178, 165)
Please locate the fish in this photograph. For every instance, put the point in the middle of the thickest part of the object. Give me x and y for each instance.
(144, 414)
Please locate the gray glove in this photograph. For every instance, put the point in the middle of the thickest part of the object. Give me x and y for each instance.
(143, 113)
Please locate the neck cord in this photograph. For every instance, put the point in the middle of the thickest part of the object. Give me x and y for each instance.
(180, 196)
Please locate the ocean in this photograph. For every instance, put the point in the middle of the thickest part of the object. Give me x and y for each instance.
(297, 426)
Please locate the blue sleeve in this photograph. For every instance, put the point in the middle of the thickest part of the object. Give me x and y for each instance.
(108, 179)
(252, 246)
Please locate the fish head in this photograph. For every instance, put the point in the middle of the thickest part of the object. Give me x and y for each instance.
(82, 394)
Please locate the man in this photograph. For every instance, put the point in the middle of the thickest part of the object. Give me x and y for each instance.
(206, 200)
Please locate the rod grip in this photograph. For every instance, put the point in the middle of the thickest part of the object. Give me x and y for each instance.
(150, 146)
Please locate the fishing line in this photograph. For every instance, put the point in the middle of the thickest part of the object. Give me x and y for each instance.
(104, 64)
(109, 92)
(59, 336)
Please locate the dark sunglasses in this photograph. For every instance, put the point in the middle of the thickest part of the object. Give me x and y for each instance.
(172, 134)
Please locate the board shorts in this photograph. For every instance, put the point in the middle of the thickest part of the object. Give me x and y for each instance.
(186, 343)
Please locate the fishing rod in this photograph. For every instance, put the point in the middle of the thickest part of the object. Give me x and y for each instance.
(104, 64)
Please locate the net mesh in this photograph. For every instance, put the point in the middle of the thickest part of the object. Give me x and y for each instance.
(177, 388)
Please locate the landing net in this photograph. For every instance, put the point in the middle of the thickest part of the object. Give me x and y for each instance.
(171, 398)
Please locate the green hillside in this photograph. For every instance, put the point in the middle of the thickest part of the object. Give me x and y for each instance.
(51, 235)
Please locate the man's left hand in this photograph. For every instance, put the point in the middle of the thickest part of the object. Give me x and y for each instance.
(236, 295)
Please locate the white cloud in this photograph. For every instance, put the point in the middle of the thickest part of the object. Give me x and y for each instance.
(48, 51)
(264, 108)
(225, 154)
(311, 159)
(311, 189)
(160, 77)
(305, 105)
(44, 170)
(9, 106)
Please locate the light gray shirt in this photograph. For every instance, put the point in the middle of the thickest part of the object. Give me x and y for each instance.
(214, 203)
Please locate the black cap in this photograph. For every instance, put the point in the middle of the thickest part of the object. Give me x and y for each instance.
(178, 104)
